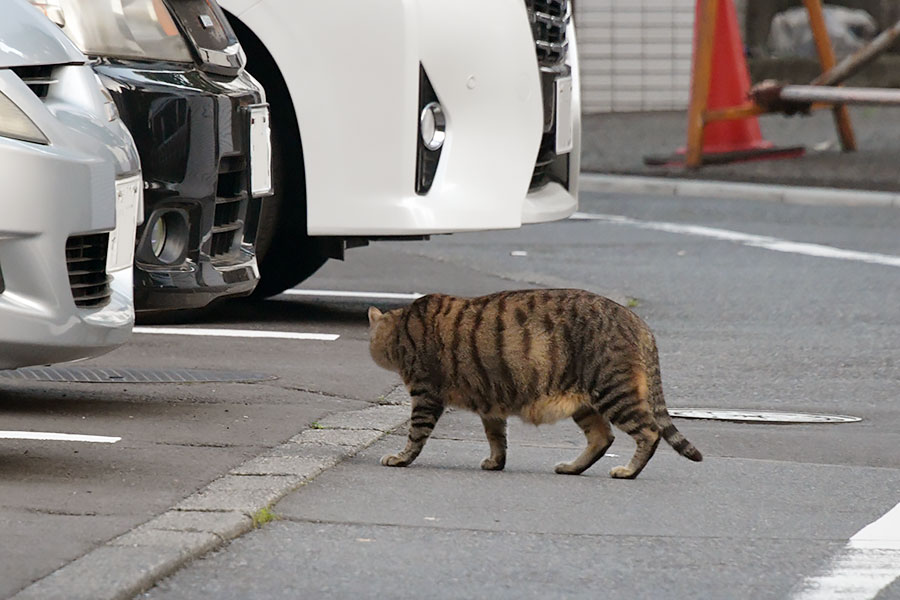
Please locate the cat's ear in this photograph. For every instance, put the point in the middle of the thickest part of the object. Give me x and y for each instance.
(375, 315)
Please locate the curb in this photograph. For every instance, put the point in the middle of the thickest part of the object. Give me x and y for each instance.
(225, 509)
(787, 194)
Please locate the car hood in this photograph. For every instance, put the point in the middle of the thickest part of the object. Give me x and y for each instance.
(28, 38)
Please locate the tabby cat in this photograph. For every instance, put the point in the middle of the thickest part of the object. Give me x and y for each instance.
(541, 355)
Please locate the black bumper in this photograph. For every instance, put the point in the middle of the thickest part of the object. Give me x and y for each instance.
(191, 132)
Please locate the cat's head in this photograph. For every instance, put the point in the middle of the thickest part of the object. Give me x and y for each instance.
(382, 338)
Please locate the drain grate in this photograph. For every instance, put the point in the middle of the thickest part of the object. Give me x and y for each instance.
(758, 416)
(128, 375)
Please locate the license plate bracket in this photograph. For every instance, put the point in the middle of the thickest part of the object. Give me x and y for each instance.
(564, 135)
(260, 151)
(129, 213)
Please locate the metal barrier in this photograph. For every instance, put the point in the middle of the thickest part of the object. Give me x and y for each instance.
(774, 97)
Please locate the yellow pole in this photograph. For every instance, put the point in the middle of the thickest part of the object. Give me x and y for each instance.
(827, 60)
(700, 80)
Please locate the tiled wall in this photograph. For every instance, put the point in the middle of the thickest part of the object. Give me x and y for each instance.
(635, 54)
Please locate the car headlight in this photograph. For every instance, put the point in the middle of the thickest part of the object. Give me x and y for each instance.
(141, 29)
(15, 124)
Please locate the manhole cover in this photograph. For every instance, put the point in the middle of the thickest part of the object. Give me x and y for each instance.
(758, 416)
(127, 375)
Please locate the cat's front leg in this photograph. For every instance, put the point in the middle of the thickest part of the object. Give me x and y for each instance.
(425, 414)
(495, 430)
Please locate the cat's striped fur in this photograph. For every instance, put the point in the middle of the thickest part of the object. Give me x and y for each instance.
(542, 355)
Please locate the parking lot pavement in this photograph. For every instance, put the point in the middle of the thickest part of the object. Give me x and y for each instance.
(443, 528)
(59, 500)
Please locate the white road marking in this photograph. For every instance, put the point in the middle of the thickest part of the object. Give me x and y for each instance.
(747, 239)
(57, 437)
(350, 294)
(241, 333)
(869, 563)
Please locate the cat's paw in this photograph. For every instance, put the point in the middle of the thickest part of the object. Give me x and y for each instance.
(622, 473)
(568, 469)
(394, 460)
(490, 464)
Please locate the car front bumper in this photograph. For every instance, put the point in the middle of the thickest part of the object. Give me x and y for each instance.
(358, 109)
(191, 131)
(55, 197)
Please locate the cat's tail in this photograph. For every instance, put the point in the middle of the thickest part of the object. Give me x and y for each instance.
(663, 419)
(676, 439)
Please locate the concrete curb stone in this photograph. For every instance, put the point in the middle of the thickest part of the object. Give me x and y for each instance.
(634, 184)
(225, 509)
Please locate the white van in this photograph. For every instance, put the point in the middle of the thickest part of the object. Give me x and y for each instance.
(70, 199)
(405, 118)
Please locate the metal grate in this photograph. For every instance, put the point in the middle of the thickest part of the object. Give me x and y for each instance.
(549, 20)
(231, 204)
(129, 375)
(86, 263)
(758, 416)
(38, 79)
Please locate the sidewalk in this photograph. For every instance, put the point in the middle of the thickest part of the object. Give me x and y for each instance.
(616, 143)
(443, 528)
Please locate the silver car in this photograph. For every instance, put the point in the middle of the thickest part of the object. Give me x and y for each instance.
(70, 196)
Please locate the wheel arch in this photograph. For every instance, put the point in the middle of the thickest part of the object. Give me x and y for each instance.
(264, 68)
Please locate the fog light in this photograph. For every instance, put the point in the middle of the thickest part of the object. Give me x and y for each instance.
(165, 238)
(158, 237)
(432, 126)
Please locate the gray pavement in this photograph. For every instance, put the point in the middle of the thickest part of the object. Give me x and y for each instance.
(738, 327)
(444, 529)
(59, 501)
(616, 143)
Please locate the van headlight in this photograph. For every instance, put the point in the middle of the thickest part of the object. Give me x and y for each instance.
(141, 29)
(15, 124)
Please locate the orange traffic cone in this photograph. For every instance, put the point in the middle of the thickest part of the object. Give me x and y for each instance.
(728, 86)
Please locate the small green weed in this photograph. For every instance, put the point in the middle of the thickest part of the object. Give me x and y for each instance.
(633, 303)
(263, 516)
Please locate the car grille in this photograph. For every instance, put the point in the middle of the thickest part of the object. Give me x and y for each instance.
(231, 208)
(549, 20)
(86, 263)
(38, 79)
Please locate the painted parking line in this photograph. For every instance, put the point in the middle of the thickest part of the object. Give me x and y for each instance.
(58, 437)
(747, 239)
(237, 333)
(868, 563)
(353, 294)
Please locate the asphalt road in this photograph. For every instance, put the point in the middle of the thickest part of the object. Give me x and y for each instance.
(741, 324)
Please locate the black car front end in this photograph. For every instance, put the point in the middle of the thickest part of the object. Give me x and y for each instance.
(196, 244)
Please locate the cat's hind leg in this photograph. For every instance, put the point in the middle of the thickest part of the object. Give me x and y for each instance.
(495, 430)
(634, 417)
(627, 406)
(647, 440)
(599, 438)
(425, 414)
